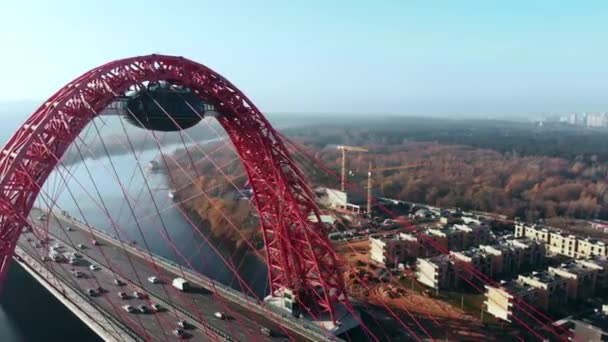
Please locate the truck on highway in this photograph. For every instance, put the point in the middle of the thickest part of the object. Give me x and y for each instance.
(181, 284)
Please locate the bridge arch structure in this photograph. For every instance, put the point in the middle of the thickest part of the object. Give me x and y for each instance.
(281, 196)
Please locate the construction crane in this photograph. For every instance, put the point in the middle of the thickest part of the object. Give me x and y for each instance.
(345, 148)
(369, 180)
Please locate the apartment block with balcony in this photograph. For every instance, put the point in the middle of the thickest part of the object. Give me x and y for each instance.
(439, 272)
(500, 300)
(394, 249)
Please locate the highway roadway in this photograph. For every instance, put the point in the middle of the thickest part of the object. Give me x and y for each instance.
(197, 306)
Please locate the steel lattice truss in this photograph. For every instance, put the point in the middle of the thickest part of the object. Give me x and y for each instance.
(281, 196)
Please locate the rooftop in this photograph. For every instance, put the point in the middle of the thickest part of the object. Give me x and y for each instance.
(574, 268)
(439, 259)
(517, 288)
(543, 276)
(596, 318)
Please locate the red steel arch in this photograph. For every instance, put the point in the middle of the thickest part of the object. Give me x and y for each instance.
(281, 196)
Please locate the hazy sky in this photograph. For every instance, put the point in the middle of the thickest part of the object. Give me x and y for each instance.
(401, 56)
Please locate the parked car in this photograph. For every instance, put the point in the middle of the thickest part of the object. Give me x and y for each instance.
(122, 295)
(143, 309)
(156, 307)
(119, 282)
(219, 315)
(92, 292)
(183, 324)
(128, 308)
(81, 246)
(94, 267)
(179, 333)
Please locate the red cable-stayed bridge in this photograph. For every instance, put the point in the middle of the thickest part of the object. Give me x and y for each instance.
(59, 199)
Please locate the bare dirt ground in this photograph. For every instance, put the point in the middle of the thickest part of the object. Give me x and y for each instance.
(362, 281)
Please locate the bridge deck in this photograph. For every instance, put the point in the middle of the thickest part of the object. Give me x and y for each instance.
(197, 306)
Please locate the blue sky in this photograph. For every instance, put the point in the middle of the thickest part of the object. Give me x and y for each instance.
(410, 57)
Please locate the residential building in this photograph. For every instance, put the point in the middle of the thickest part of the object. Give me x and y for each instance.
(461, 236)
(395, 249)
(438, 272)
(588, 247)
(504, 259)
(591, 327)
(532, 231)
(599, 225)
(478, 259)
(581, 279)
(516, 255)
(562, 243)
(500, 300)
(554, 289)
(600, 264)
(597, 120)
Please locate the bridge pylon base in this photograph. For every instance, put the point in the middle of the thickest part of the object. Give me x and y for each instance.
(345, 319)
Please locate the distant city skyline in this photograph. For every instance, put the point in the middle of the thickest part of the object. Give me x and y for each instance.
(440, 58)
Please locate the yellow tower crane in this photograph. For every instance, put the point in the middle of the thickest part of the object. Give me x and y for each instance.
(345, 148)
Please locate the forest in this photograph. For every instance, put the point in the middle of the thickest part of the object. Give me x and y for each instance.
(516, 169)
(513, 168)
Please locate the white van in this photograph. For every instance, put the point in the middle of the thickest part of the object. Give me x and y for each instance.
(181, 284)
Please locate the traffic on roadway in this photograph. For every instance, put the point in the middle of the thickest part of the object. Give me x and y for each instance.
(143, 295)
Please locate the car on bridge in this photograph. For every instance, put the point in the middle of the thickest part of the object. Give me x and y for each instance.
(183, 324)
(179, 333)
(139, 295)
(265, 331)
(154, 280)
